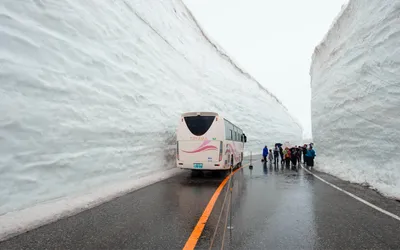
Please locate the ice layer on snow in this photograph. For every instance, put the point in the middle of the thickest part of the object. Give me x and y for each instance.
(355, 80)
(91, 93)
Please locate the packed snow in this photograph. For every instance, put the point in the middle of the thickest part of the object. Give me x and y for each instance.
(356, 96)
(92, 91)
(20, 221)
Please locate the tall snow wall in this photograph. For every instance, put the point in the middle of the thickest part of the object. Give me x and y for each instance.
(91, 93)
(355, 80)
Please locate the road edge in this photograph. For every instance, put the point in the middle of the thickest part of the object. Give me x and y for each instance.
(365, 202)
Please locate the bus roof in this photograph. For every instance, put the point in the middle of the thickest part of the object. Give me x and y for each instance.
(199, 113)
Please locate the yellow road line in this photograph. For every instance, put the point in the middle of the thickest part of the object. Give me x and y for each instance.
(196, 233)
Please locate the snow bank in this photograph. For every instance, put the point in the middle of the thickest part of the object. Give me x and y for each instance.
(17, 222)
(91, 93)
(356, 96)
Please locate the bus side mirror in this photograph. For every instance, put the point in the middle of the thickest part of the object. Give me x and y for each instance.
(245, 139)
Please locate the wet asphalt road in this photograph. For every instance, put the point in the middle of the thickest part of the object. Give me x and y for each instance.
(271, 209)
(283, 209)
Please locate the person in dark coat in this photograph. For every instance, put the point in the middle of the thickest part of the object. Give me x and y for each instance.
(304, 153)
(276, 155)
(294, 156)
(299, 153)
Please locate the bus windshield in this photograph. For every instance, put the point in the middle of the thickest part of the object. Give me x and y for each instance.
(199, 125)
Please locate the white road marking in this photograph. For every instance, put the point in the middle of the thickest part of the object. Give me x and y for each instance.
(356, 197)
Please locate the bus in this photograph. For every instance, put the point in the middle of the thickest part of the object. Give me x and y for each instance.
(207, 141)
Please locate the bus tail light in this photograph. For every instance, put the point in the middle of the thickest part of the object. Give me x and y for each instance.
(220, 151)
(177, 150)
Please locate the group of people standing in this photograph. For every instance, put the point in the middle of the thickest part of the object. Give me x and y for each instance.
(290, 156)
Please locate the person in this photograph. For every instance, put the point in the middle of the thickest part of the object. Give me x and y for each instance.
(299, 153)
(304, 153)
(265, 153)
(276, 155)
(310, 157)
(294, 156)
(286, 154)
(281, 153)
(270, 158)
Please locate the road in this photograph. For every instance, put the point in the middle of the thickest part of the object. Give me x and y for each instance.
(271, 209)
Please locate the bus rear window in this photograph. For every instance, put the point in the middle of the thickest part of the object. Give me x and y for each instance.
(199, 125)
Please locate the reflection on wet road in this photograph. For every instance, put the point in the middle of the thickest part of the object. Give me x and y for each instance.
(284, 209)
(271, 209)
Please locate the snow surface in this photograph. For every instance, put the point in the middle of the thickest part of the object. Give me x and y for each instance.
(356, 96)
(91, 93)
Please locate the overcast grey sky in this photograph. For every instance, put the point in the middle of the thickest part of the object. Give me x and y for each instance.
(273, 41)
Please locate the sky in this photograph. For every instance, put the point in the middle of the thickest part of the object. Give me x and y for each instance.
(273, 41)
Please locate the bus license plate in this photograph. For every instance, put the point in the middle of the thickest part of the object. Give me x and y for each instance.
(198, 165)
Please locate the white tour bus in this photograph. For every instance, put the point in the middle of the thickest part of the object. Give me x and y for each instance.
(207, 141)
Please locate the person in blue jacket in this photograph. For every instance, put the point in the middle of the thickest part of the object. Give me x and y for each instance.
(310, 157)
(265, 153)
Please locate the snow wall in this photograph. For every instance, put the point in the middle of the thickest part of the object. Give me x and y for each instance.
(91, 93)
(355, 80)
